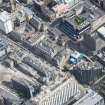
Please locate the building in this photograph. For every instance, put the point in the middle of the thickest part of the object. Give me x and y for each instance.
(46, 2)
(47, 49)
(34, 39)
(61, 9)
(104, 4)
(25, 1)
(1, 100)
(51, 81)
(37, 23)
(26, 70)
(25, 87)
(29, 13)
(6, 24)
(101, 56)
(57, 88)
(87, 72)
(59, 94)
(101, 32)
(1, 2)
(61, 58)
(56, 35)
(41, 68)
(93, 42)
(75, 57)
(91, 98)
(68, 29)
(99, 3)
(4, 49)
(48, 13)
(43, 2)
(8, 97)
(70, 2)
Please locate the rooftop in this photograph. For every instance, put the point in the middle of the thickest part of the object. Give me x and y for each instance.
(4, 16)
(101, 30)
(91, 98)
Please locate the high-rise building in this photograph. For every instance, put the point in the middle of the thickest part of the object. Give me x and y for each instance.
(46, 2)
(70, 2)
(104, 4)
(59, 94)
(87, 72)
(6, 24)
(43, 2)
(93, 42)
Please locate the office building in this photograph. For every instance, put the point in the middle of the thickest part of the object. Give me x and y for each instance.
(70, 2)
(94, 42)
(104, 4)
(25, 87)
(101, 56)
(58, 95)
(4, 49)
(91, 98)
(47, 49)
(37, 23)
(87, 72)
(8, 97)
(34, 39)
(101, 32)
(6, 24)
(43, 2)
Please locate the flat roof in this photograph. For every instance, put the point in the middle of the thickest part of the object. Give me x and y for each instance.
(101, 31)
(91, 98)
(4, 16)
(76, 54)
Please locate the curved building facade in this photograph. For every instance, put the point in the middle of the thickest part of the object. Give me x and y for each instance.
(86, 73)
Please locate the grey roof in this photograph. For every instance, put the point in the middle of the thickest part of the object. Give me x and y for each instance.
(3, 45)
(91, 98)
